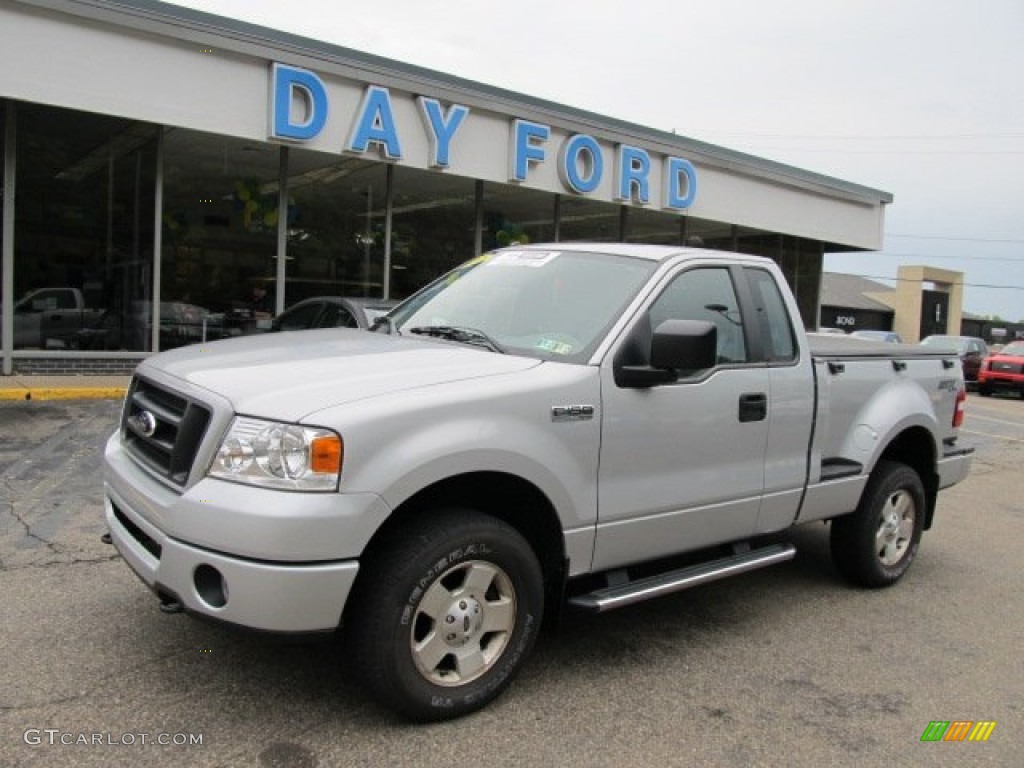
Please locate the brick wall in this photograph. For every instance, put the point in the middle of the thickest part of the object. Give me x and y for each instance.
(56, 366)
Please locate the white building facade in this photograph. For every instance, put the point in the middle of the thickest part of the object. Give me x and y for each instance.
(162, 162)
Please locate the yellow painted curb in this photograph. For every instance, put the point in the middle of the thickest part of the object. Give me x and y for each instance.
(63, 393)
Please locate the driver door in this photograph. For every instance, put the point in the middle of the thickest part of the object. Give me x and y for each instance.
(682, 464)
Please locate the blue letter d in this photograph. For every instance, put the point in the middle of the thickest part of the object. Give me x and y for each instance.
(288, 85)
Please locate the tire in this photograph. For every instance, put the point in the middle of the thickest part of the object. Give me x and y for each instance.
(456, 570)
(984, 390)
(874, 545)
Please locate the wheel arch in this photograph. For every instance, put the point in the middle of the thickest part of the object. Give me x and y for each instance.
(507, 497)
(915, 447)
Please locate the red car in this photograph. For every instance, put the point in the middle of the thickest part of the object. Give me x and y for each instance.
(1003, 370)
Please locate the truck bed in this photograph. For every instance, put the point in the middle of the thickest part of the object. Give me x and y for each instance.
(829, 345)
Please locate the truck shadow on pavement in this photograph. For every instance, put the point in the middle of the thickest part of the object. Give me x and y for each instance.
(309, 678)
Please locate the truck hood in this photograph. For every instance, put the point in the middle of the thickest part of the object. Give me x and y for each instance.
(288, 376)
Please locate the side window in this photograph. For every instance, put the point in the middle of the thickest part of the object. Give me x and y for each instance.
(705, 294)
(298, 319)
(772, 316)
(45, 301)
(336, 316)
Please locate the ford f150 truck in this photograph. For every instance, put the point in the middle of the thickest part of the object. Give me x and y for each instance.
(53, 318)
(583, 425)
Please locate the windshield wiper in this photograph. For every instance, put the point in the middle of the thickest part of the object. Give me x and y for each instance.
(460, 334)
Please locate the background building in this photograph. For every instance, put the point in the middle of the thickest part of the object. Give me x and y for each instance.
(160, 163)
(852, 303)
(926, 301)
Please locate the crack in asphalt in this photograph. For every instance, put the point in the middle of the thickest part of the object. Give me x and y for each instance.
(51, 546)
(58, 563)
(29, 484)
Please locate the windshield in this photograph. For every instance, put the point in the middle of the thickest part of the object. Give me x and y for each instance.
(556, 305)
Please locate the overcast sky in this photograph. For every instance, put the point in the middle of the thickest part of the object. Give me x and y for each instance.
(920, 98)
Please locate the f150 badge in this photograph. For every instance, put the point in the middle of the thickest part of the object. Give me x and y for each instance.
(572, 412)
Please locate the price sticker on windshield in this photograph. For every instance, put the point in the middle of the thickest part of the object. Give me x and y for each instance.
(523, 258)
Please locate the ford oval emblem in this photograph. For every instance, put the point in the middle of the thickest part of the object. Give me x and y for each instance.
(143, 422)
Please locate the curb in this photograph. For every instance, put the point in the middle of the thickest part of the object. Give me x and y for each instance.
(63, 393)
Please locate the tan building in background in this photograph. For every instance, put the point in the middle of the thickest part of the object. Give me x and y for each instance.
(921, 311)
(925, 301)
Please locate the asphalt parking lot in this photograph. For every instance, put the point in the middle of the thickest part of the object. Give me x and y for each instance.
(785, 666)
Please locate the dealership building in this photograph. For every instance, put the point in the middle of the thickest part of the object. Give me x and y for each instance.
(159, 164)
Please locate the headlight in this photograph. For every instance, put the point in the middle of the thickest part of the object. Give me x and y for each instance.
(286, 456)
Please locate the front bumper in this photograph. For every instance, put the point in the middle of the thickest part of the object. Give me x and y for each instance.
(267, 560)
(997, 380)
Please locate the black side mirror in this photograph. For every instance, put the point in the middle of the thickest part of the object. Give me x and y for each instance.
(685, 344)
(675, 345)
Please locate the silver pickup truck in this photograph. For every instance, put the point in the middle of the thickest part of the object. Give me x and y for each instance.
(555, 426)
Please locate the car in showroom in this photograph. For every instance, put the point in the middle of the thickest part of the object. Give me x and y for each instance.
(1003, 370)
(971, 350)
(331, 312)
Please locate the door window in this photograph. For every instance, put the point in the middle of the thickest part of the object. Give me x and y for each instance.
(775, 326)
(705, 294)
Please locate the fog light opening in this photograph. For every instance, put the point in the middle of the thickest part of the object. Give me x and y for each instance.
(210, 586)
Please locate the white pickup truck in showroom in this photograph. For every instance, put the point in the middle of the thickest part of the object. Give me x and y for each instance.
(546, 427)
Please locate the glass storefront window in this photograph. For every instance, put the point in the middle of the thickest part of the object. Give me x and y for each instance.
(517, 215)
(3, 175)
(220, 214)
(653, 227)
(433, 227)
(808, 279)
(758, 243)
(336, 216)
(704, 233)
(83, 230)
(583, 219)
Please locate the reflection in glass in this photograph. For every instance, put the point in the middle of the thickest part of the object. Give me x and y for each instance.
(584, 219)
(218, 269)
(550, 304)
(336, 223)
(517, 215)
(651, 226)
(83, 230)
(433, 227)
(3, 175)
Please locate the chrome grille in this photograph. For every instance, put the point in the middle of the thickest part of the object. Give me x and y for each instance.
(163, 429)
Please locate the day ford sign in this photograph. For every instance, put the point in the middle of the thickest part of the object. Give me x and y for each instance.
(300, 110)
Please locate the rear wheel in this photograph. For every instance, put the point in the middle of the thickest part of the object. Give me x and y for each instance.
(445, 614)
(874, 545)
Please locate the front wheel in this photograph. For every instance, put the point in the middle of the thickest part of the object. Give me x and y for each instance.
(874, 545)
(444, 615)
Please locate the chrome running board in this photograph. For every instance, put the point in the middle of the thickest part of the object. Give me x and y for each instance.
(617, 596)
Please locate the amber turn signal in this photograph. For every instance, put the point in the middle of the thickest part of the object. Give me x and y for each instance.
(326, 454)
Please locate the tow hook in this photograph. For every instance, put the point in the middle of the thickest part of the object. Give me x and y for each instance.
(169, 605)
(105, 538)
